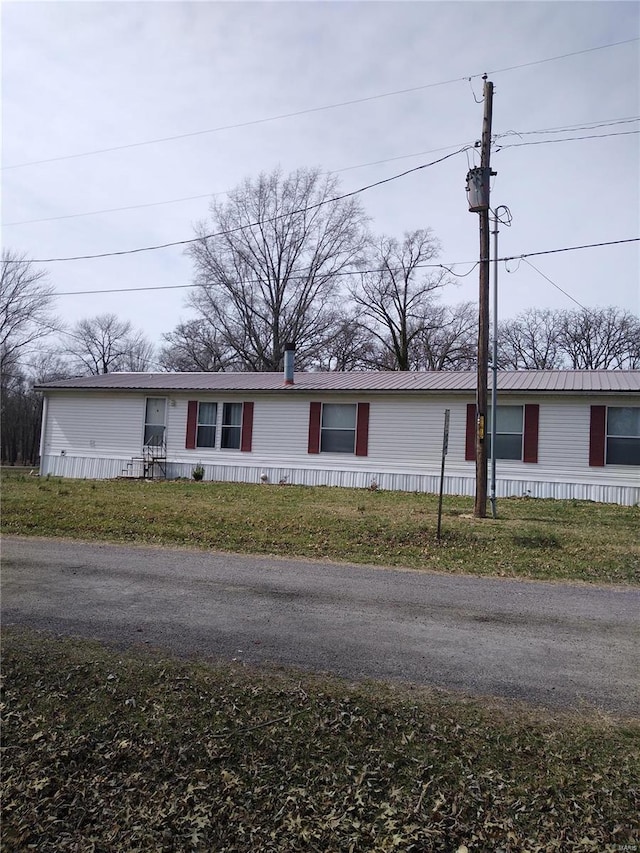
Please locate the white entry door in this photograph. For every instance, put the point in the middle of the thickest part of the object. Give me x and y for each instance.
(154, 424)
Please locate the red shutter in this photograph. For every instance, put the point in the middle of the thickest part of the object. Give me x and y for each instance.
(470, 436)
(362, 430)
(597, 435)
(247, 427)
(192, 423)
(531, 421)
(315, 410)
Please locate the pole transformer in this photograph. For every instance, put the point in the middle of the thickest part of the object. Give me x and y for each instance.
(478, 189)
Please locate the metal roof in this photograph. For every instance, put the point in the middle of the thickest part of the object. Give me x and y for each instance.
(526, 381)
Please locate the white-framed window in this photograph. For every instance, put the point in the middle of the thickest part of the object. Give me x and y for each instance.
(231, 426)
(338, 428)
(206, 425)
(509, 432)
(623, 435)
(219, 426)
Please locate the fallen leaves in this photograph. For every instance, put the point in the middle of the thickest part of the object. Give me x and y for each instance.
(175, 756)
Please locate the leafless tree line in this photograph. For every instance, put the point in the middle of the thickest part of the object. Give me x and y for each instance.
(36, 347)
(287, 259)
(586, 339)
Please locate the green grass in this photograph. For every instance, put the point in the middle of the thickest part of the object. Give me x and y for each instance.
(543, 539)
(105, 750)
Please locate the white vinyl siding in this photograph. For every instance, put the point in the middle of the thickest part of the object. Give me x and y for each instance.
(100, 431)
(563, 438)
(408, 433)
(98, 423)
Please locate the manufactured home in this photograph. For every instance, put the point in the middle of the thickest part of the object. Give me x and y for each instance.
(559, 434)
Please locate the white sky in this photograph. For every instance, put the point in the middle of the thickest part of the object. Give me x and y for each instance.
(83, 76)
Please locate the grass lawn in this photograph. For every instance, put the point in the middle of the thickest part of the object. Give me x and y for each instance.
(105, 750)
(543, 539)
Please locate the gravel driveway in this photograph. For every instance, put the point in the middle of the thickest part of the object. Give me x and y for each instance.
(556, 644)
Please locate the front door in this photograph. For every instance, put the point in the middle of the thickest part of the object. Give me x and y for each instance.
(154, 423)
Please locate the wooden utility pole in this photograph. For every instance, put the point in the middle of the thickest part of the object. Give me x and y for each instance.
(480, 508)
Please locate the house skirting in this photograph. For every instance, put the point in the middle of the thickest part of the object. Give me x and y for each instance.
(80, 467)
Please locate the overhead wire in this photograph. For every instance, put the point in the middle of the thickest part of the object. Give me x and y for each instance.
(498, 147)
(299, 275)
(226, 192)
(448, 266)
(248, 224)
(235, 126)
(471, 148)
(569, 249)
(475, 97)
(567, 128)
(113, 209)
(310, 110)
(557, 286)
(506, 217)
(593, 125)
(562, 56)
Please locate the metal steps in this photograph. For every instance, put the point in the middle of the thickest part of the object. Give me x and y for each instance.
(152, 465)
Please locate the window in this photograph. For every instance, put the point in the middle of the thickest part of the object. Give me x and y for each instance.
(623, 435)
(517, 431)
(235, 432)
(231, 426)
(509, 432)
(338, 428)
(206, 427)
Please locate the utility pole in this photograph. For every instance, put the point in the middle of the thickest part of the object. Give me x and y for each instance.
(478, 188)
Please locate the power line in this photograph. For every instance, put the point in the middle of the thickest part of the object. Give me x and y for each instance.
(296, 277)
(309, 110)
(242, 124)
(567, 128)
(566, 139)
(112, 209)
(557, 286)
(242, 227)
(591, 125)
(226, 192)
(563, 56)
(569, 249)
(447, 267)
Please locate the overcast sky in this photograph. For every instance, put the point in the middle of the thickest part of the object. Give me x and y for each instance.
(77, 77)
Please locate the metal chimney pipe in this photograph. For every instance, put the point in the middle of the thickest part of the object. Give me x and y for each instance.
(289, 358)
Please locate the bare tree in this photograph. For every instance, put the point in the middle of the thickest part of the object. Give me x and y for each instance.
(196, 345)
(531, 341)
(22, 406)
(589, 339)
(19, 421)
(396, 297)
(448, 340)
(271, 273)
(105, 344)
(600, 339)
(351, 347)
(25, 308)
